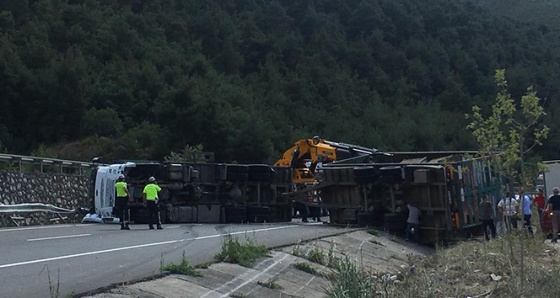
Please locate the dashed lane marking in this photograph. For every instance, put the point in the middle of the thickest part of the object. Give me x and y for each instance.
(58, 237)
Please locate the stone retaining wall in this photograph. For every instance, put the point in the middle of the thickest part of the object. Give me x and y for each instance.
(61, 190)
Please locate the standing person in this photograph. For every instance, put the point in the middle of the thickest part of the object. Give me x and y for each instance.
(150, 197)
(526, 210)
(539, 202)
(413, 222)
(121, 202)
(487, 217)
(316, 211)
(509, 208)
(554, 206)
(303, 212)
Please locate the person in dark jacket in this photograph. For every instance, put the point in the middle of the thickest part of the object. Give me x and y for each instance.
(554, 207)
(487, 217)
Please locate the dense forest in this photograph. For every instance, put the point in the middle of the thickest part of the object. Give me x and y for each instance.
(245, 79)
(544, 12)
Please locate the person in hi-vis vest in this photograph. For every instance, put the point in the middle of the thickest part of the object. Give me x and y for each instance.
(150, 196)
(121, 202)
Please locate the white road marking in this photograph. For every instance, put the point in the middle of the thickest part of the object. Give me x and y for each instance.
(255, 276)
(307, 284)
(41, 227)
(58, 237)
(139, 246)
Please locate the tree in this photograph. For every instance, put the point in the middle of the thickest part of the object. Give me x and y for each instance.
(507, 134)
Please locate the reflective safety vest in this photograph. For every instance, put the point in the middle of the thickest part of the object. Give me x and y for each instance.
(151, 190)
(120, 187)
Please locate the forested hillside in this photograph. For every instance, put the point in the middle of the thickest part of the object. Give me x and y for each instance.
(542, 12)
(247, 78)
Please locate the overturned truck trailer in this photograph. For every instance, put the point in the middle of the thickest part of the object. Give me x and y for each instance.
(447, 186)
(198, 192)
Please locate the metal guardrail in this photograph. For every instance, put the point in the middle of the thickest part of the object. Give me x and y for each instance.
(36, 207)
(42, 163)
(14, 212)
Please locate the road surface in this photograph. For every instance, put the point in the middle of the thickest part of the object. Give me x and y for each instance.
(78, 258)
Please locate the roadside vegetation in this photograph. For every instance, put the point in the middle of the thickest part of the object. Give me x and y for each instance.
(468, 269)
(183, 268)
(306, 267)
(270, 284)
(242, 253)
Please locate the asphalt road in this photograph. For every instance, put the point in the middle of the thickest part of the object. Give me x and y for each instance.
(75, 259)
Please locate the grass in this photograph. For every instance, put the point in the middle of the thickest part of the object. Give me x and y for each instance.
(244, 254)
(373, 232)
(376, 242)
(306, 267)
(316, 255)
(270, 285)
(297, 251)
(468, 269)
(54, 286)
(349, 281)
(183, 268)
(204, 265)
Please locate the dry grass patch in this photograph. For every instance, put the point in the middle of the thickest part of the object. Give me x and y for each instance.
(479, 269)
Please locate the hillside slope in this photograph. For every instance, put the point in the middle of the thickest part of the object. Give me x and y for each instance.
(245, 79)
(540, 12)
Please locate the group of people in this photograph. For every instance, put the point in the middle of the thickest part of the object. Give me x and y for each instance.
(149, 198)
(509, 209)
(509, 212)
